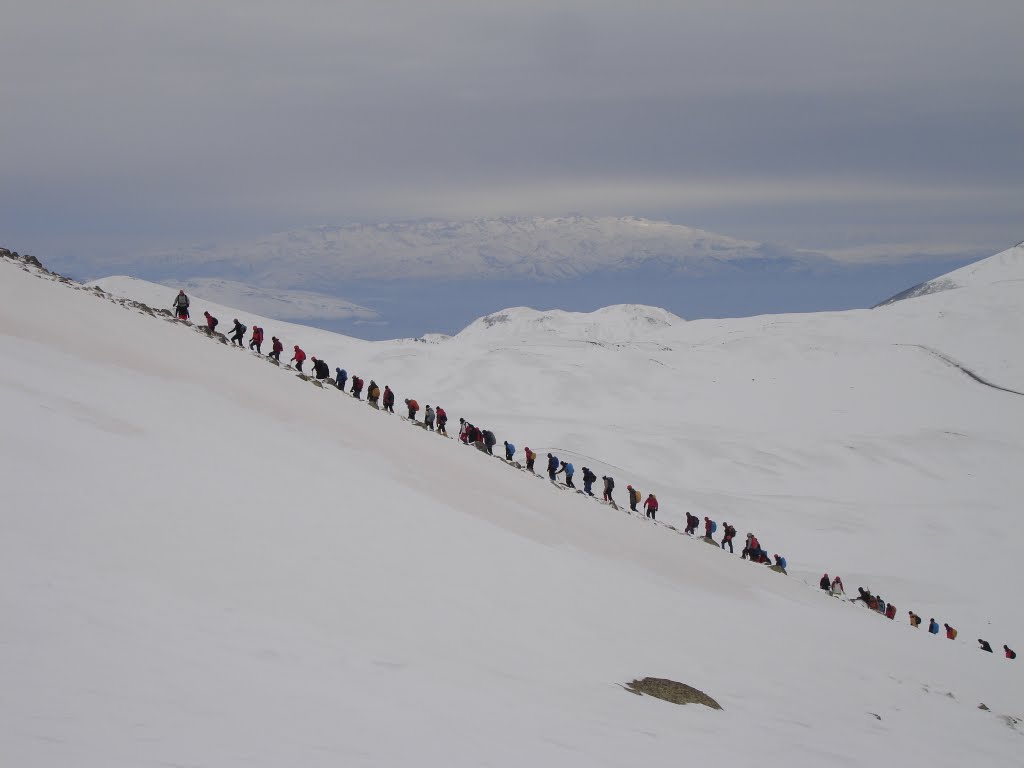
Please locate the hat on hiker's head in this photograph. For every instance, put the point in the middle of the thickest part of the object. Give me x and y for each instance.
(549, 455)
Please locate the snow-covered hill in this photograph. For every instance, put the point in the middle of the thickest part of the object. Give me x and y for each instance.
(208, 561)
(1003, 267)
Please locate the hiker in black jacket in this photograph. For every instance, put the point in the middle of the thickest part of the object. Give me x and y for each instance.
(589, 478)
(239, 331)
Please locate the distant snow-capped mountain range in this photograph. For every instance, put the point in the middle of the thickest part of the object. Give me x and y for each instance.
(524, 248)
(412, 278)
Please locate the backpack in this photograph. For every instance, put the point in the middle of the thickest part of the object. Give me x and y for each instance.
(213, 324)
(441, 415)
(241, 328)
(611, 483)
(489, 437)
(714, 526)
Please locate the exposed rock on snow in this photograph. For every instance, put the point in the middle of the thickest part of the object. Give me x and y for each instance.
(670, 690)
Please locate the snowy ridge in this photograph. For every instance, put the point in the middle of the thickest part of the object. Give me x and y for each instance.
(315, 581)
(1005, 266)
(617, 323)
(282, 304)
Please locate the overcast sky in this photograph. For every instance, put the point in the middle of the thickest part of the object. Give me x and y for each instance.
(134, 125)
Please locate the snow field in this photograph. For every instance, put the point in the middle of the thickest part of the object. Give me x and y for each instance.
(210, 561)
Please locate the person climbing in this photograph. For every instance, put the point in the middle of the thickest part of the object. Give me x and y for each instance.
(933, 627)
(357, 387)
(1009, 652)
(373, 394)
(710, 526)
(890, 612)
(180, 306)
(915, 620)
(256, 339)
(609, 486)
(950, 632)
(825, 583)
(239, 332)
(531, 456)
(211, 322)
(413, 406)
(510, 450)
(569, 470)
(837, 586)
(320, 369)
(442, 420)
(489, 441)
(298, 358)
(729, 535)
(389, 399)
(340, 377)
(552, 467)
(276, 348)
(984, 645)
(780, 563)
(633, 496)
(746, 547)
(692, 522)
(428, 417)
(651, 506)
(589, 478)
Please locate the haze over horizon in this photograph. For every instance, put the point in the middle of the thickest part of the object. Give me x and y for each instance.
(860, 131)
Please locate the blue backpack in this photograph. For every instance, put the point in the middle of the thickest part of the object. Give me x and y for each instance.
(714, 526)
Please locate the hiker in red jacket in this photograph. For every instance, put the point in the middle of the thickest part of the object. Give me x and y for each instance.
(651, 505)
(531, 456)
(730, 534)
(1010, 653)
(299, 357)
(389, 399)
(442, 419)
(257, 339)
(413, 407)
(211, 322)
(278, 348)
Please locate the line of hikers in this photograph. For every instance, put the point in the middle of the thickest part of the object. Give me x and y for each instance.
(484, 440)
(878, 603)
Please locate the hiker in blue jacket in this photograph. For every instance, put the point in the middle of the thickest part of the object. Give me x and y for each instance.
(552, 467)
(933, 626)
(568, 469)
(342, 378)
(510, 451)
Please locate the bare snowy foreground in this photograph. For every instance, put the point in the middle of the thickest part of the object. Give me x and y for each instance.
(208, 562)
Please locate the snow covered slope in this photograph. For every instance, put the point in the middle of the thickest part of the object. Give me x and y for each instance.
(207, 561)
(1003, 267)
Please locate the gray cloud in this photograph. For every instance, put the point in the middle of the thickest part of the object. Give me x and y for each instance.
(826, 125)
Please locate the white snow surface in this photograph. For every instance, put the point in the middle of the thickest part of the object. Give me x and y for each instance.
(508, 247)
(207, 561)
(1007, 266)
